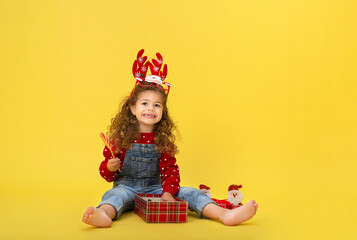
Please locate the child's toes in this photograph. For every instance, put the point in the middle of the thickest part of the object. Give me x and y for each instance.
(90, 210)
(88, 214)
(255, 207)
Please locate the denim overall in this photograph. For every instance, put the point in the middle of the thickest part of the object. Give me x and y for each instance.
(141, 174)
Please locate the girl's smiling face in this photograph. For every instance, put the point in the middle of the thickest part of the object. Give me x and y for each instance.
(148, 110)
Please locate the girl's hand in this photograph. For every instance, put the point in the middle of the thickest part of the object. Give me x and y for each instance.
(113, 164)
(167, 197)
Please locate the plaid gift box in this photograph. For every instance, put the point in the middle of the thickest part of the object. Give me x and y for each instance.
(152, 210)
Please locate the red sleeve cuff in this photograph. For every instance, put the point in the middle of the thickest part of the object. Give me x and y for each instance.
(171, 187)
(171, 191)
(105, 173)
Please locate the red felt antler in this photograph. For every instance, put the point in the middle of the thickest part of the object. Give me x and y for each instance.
(156, 66)
(140, 66)
(163, 73)
(157, 77)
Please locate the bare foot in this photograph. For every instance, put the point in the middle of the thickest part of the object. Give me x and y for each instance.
(241, 214)
(96, 217)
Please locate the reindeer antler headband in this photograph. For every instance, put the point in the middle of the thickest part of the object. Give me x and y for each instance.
(157, 77)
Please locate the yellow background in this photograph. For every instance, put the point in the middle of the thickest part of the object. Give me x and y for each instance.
(264, 94)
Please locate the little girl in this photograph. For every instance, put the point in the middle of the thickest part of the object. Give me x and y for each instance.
(142, 133)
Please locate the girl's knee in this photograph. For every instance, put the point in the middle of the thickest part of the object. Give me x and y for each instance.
(119, 194)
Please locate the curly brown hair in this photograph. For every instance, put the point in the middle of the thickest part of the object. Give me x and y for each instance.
(124, 126)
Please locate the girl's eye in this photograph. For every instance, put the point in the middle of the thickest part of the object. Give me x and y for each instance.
(144, 103)
(157, 105)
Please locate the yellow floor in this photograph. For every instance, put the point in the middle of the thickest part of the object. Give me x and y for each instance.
(55, 213)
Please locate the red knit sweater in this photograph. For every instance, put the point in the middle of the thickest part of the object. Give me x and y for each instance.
(169, 171)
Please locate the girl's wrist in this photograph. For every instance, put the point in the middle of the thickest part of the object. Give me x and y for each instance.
(112, 170)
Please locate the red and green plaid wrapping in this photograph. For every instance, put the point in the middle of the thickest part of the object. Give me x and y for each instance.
(160, 212)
